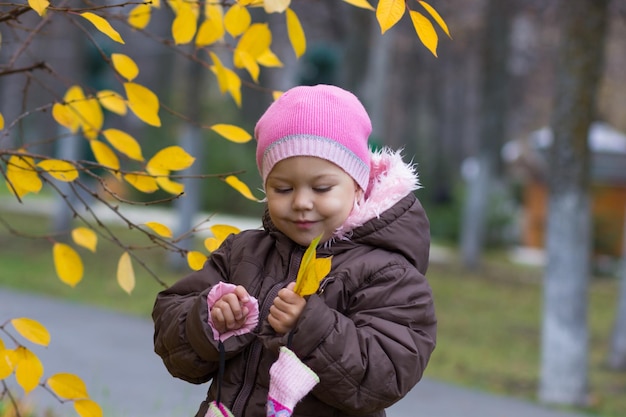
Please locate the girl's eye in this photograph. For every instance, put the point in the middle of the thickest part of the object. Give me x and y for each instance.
(322, 189)
(282, 190)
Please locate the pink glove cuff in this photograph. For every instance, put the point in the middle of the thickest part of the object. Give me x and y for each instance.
(252, 305)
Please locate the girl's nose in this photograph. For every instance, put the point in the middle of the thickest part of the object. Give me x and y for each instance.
(302, 200)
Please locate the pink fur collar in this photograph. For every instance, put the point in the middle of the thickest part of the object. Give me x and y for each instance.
(391, 179)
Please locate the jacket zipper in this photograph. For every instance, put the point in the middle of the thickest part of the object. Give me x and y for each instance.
(255, 354)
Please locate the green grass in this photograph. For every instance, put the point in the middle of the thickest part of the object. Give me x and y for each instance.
(489, 320)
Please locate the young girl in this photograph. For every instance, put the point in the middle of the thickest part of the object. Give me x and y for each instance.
(366, 335)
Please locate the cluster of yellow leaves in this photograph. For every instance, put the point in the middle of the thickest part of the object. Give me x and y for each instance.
(312, 270)
(29, 371)
(389, 12)
(196, 259)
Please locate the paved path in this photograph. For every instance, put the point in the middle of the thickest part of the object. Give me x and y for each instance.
(113, 354)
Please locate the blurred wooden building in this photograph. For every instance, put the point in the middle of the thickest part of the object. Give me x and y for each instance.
(527, 158)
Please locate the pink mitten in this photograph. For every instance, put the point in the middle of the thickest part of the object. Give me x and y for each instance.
(290, 381)
(218, 410)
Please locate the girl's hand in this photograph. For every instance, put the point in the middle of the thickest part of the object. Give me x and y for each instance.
(286, 310)
(229, 313)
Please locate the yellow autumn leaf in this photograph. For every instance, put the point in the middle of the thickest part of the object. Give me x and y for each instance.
(61, 170)
(1, 121)
(142, 182)
(143, 102)
(170, 186)
(124, 143)
(237, 20)
(184, 25)
(255, 41)
(234, 86)
(103, 26)
(269, 59)
(125, 66)
(22, 176)
(139, 16)
(196, 260)
(67, 386)
(87, 408)
(125, 273)
(437, 17)
(232, 133)
(6, 364)
(363, 4)
(276, 6)
(425, 31)
(247, 61)
(171, 158)
(112, 101)
(296, 33)
(389, 12)
(240, 186)
(160, 229)
(276, 94)
(210, 31)
(90, 116)
(104, 155)
(312, 270)
(214, 11)
(63, 115)
(220, 72)
(28, 369)
(222, 231)
(67, 263)
(39, 6)
(32, 330)
(85, 237)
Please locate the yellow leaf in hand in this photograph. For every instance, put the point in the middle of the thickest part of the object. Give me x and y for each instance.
(32, 330)
(312, 270)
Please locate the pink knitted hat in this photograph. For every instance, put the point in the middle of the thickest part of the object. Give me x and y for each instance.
(322, 121)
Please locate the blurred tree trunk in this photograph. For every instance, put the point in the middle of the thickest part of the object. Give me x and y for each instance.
(617, 352)
(564, 369)
(496, 47)
(188, 205)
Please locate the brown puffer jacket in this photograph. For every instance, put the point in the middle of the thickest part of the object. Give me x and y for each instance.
(368, 332)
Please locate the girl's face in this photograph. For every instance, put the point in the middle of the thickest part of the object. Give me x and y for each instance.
(308, 196)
